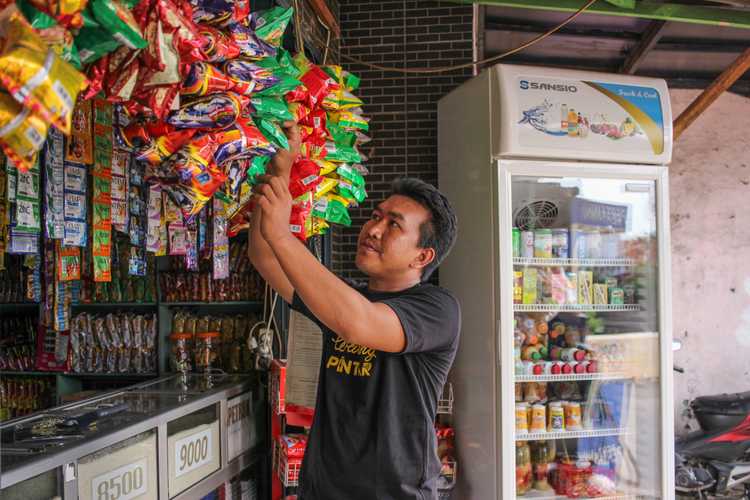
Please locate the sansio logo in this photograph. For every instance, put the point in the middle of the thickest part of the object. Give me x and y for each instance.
(556, 87)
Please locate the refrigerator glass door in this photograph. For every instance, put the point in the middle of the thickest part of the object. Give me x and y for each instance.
(584, 347)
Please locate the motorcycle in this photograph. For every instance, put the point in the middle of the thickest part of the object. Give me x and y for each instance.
(714, 463)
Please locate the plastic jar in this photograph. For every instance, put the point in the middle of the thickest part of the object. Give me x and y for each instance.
(181, 352)
(206, 351)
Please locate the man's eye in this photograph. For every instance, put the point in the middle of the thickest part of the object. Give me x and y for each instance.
(395, 225)
(375, 217)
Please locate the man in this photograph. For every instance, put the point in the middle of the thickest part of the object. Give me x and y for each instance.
(387, 346)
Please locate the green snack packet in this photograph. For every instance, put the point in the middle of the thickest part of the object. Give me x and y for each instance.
(285, 85)
(341, 153)
(62, 45)
(271, 24)
(351, 175)
(351, 82)
(257, 168)
(286, 63)
(272, 132)
(332, 210)
(271, 108)
(341, 136)
(94, 43)
(352, 192)
(119, 22)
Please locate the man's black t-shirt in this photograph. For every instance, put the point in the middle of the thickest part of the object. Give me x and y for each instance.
(373, 433)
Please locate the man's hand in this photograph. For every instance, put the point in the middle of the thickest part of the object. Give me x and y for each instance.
(275, 202)
(281, 163)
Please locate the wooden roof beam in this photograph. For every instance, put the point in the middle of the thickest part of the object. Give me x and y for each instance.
(650, 38)
(711, 93)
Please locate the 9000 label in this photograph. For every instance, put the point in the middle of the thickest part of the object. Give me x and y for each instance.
(124, 483)
(193, 451)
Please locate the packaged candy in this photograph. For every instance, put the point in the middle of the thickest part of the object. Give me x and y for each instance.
(273, 132)
(22, 133)
(203, 78)
(94, 42)
(211, 111)
(220, 12)
(243, 139)
(67, 13)
(119, 22)
(249, 76)
(350, 120)
(34, 75)
(270, 25)
(250, 46)
(188, 40)
(270, 108)
(164, 146)
(304, 177)
(220, 47)
(315, 226)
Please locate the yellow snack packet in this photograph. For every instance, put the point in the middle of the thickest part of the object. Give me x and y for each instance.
(34, 74)
(325, 186)
(22, 133)
(314, 226)
(326, 167)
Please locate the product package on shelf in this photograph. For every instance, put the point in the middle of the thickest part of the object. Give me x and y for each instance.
(101, 247)
(113, 343)
(17, 343)
(21, 395)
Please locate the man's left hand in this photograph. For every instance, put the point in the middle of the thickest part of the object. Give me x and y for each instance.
(275, 201)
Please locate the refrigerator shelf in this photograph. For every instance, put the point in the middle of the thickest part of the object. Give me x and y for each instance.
(546, 436)
(576, 307)
(533, 261)
(572, 377)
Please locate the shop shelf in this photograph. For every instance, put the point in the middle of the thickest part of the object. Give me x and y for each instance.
(251, 303)
(109, 375)
(546, 436)
(529, 261)
(576, 307)
(571, 377)
(110, 305)
(28, 374)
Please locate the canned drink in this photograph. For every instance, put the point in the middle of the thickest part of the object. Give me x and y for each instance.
(571, 288)
(580, 367)
(516, 242)
(527, 244)
(522, 418)
(543, 243)
(538, 418)
(538, 368)
(556, 416)
(572, 354)
(555, 368)
(566, 368)
(572, 411)
(560, 238)
(591, 367)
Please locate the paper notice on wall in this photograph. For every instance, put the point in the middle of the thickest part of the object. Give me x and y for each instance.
(304, 350)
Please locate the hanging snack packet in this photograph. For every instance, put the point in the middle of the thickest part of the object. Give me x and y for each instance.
(270, 25)
(220, 12)
(54, 198)
(220, 47)
(336, 152)
(326, 185)
(250, 76)
(22, 133)
(166, 145)
(241, 140)
(75, 183)
(68, 263)
(34, 75)
(350, 120)
(270, 108)
(315, 226)
(119, 22)
(211, 111)
(273, 132)
(250, 46)
(66, 12)
(299, 111)
(333, 209)
(318, 84)
(298, 218)
(257, 168)
(203, 78)
(153, 224)
(286, 63)
(304, 177)
(285, 85)
(220, 241)
(54, 35)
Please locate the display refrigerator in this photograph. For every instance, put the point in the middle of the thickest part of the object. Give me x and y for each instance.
(562, 379)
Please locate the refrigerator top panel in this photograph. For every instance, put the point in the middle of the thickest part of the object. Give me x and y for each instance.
(579, 115)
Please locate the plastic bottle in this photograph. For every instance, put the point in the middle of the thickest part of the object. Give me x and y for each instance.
(523, 468)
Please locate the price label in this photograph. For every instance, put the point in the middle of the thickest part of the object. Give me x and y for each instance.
(193, 451)
(239, 425)
(124, 483)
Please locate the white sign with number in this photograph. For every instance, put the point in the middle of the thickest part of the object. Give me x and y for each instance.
(239, 425)
(126, 473)
(193, 451)
(193, 455)
(124, 483)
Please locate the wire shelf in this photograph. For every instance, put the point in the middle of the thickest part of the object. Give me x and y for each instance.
(576, 307)
(545, 436)
(571, 377)
(445, 402)
(550, 495)
(532, 261)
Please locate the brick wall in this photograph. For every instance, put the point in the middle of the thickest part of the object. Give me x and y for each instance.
(402, 108)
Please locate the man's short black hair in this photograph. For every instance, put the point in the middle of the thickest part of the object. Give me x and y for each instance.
(439, 232)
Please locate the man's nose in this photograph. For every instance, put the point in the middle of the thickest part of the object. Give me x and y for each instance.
(376, 230)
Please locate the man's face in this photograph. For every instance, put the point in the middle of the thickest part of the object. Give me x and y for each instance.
(388, 242)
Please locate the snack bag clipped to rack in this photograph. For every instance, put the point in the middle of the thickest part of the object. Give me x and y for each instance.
(34, 74)
(22, 133)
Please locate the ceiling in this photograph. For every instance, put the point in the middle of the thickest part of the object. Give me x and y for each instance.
(687, 55)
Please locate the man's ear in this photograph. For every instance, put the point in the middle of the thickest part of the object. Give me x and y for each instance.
(423, 258)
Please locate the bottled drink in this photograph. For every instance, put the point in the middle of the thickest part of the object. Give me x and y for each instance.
(540, 460)
(523, 468)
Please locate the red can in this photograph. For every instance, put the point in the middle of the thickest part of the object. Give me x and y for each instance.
(591, 367)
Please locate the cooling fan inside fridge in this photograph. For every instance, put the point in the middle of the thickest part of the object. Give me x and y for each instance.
(541, 205)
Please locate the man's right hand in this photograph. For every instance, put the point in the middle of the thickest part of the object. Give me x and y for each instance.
(282, 161)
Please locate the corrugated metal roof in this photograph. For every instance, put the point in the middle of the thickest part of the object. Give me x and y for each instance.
(687, 55)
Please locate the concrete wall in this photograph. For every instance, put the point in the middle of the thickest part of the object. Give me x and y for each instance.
(710, 207)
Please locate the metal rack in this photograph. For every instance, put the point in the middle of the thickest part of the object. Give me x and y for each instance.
(572, 377)
(539, 436)
(576, 307)
(533, 261)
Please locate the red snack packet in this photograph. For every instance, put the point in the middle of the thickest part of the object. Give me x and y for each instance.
(318, 84)
(166, 145)
(297, 219)
(304, 177)
(220, 47)
(297, 95)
